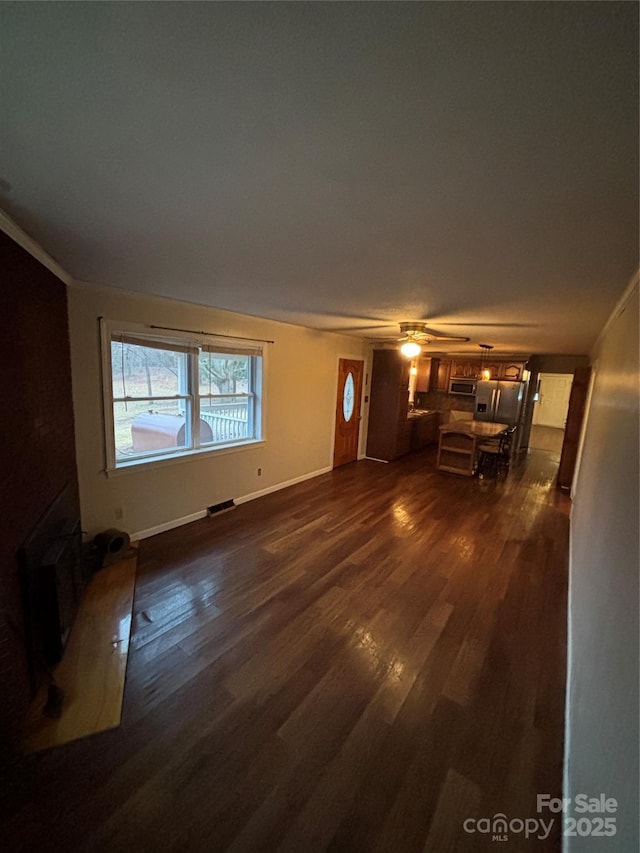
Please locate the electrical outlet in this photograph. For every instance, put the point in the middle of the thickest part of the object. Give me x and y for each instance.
(119, 513)
(259, 472)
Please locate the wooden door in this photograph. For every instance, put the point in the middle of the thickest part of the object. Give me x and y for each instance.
(345, 448)
(551, 408)
(575, 416)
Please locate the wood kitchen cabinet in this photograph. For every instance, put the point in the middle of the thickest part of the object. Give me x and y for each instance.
(442, 375)
(426, 430)
(433, 375)
(423, 379)
(464, 368)
(389, 434)
(508, 371)
(511, 371)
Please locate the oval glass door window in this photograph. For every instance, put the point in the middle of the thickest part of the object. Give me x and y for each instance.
(348, 397)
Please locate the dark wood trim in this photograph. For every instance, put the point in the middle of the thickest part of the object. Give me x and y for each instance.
(573, 428)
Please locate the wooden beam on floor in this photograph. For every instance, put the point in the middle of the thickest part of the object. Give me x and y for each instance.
(92, 671)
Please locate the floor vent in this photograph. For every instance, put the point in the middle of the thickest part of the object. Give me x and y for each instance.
(212, 510)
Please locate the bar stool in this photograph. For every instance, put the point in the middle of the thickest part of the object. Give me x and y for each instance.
(494, 457)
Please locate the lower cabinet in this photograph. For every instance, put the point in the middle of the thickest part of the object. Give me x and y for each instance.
(425, 430)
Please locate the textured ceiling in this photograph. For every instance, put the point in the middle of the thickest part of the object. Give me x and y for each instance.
(339, 165)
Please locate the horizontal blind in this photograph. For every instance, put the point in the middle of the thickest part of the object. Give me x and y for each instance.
(154, 343)
(233, 349)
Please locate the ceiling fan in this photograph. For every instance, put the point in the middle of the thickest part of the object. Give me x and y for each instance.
(412, 331)
(415, 334)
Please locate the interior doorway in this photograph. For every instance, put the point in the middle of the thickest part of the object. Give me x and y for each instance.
(551, 404)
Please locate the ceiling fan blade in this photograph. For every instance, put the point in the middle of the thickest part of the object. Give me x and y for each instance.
(363, 328)
(495, 325)
(431, 333)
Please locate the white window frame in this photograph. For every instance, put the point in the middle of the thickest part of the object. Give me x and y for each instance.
(194, 344)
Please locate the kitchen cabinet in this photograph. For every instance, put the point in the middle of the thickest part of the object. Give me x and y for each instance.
(442, 375)
(426, 429)
(433, 375)
(511, 371)
(428, 371)
(423, 379)
(508, 371)
(505, 371)
(464, 368)
(389, 434)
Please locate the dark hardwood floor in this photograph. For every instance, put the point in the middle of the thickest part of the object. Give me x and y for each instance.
(357, 663)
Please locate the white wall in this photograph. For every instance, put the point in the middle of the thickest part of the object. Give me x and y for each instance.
(300, 387)
(601, 749)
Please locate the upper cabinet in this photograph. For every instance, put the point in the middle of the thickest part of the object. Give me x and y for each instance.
(442, 375)
(464, 368)
(433, 375)
(423, 379)
(512, 371)
(507, 371)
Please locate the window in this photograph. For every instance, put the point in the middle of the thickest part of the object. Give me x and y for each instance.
(167, 397)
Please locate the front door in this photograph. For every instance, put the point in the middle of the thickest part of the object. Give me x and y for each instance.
(345, 448)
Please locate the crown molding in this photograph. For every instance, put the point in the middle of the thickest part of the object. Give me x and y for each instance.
(13, 230)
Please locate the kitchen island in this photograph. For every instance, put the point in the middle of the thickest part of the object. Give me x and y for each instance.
(458, 444)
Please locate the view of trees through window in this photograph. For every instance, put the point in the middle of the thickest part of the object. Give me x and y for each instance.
(144, 422)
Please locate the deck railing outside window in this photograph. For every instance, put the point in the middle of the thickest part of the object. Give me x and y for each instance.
(228, 421)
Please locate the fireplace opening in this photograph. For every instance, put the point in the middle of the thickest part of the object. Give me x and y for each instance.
(51, 570)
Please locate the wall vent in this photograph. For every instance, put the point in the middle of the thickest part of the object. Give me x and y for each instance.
(212, 510)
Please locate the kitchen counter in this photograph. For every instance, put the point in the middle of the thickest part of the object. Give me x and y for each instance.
(417, 413)
(423, 428)
(481, 429)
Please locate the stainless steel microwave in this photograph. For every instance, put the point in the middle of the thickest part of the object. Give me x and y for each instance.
(466, 387)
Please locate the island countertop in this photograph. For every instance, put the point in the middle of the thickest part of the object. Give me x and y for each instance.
(482, 429)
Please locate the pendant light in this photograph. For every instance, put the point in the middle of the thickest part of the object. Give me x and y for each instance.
(485, 373)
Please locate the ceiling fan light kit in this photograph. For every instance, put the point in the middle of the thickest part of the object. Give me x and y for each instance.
(410, 349)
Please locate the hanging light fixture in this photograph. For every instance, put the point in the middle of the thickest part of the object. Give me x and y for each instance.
(411, 348)
(485, 373)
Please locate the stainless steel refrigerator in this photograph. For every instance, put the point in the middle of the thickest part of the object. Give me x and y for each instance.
(499, 402)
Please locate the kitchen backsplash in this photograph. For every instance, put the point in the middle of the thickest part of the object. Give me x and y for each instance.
(443, 402)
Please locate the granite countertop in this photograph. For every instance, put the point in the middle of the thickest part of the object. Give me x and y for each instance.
(417, 413)
(484, 429)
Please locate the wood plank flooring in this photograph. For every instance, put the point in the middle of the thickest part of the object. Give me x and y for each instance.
(546, 438)
(356, 663)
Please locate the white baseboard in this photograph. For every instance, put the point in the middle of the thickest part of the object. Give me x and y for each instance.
(169, 525)
(251, 497)
(187, 519)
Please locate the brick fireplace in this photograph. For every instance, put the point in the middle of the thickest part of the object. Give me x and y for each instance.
(38, 448)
